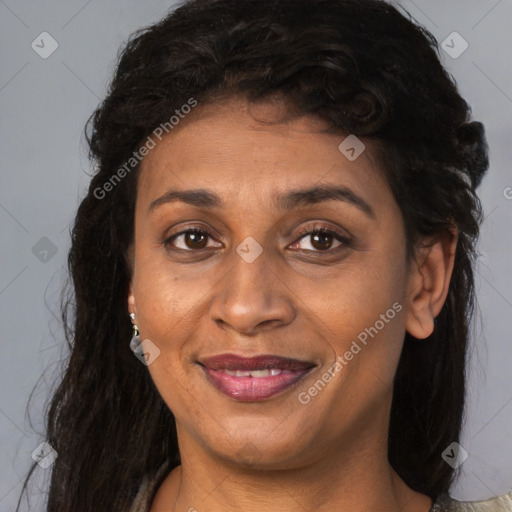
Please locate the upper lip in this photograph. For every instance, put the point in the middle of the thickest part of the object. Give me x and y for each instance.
(262, 362)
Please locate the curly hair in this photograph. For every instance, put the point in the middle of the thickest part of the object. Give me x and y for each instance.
(365, 68)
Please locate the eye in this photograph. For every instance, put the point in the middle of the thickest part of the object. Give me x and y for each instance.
(190, 239)
(321, 239)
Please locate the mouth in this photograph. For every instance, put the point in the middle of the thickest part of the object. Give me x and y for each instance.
(253, 379)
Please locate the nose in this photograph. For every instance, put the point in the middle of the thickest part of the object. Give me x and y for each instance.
(252, 298)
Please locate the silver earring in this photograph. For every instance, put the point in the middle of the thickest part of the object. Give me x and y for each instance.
(135, 341)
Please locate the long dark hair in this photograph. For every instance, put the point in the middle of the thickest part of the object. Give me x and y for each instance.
(368, 70)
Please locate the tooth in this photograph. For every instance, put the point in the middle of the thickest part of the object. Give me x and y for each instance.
(242, 373)
(230, 372)
(275, 371)
(260, 373)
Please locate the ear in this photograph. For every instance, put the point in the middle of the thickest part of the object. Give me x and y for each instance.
(429, 280)
(132, 308)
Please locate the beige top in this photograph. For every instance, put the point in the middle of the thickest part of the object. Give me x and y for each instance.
(498, 504)
(443, 503)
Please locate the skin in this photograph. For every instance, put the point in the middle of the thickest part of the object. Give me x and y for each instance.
(328, 454)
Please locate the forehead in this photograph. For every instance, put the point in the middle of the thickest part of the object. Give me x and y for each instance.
(243, 151)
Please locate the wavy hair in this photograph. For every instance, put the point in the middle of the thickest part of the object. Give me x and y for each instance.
(364, 67)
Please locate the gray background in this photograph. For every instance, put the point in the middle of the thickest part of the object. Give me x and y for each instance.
(44, 104)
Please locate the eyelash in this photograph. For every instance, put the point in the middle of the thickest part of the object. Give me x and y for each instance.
(345, 241)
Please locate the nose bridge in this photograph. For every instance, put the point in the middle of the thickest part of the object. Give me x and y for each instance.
(250, 297)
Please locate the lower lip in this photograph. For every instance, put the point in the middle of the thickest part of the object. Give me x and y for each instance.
(253, 389)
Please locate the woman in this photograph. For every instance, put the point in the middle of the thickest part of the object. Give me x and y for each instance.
(281, 227)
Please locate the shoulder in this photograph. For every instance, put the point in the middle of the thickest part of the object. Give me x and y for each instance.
(498, 504)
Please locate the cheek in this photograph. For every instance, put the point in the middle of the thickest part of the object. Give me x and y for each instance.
(365, 331)
(168, 296)
(172, 302)
(359, 294)
(362, 314)
(166, 311)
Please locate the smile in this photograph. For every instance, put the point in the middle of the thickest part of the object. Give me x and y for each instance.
(253, 379)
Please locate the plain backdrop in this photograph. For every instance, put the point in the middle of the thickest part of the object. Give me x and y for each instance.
(44, 104)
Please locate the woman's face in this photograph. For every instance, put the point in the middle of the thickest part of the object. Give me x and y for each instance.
(259, 280)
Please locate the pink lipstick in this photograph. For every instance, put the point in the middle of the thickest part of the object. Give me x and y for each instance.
(253, 379)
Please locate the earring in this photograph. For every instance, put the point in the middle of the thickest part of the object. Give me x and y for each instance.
(135, 341)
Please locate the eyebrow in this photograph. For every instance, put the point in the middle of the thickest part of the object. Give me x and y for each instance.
(202, 198)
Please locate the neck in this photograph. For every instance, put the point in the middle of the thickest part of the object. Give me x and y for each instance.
(350, 478)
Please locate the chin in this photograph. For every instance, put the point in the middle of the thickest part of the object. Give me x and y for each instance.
(259, 450)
